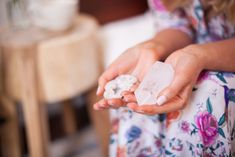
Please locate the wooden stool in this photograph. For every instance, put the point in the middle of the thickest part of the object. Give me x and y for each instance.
(42, 66)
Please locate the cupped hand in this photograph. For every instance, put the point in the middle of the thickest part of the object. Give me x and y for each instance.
(187, 63)
(127, 97)
(136, 61)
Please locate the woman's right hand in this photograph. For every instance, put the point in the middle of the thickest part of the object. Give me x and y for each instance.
(135, 61)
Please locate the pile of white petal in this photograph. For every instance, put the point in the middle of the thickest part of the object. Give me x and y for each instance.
(114, 88)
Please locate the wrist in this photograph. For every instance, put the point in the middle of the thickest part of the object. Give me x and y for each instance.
(200, 54)
(161, 48)
(156, 47)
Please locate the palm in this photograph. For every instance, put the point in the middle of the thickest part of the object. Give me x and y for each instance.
(186, 72)
(135, 61)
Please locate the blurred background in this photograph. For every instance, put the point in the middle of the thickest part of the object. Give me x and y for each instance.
(51, 55)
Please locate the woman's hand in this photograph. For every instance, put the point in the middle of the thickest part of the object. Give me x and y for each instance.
(135, 61)
(187, 63)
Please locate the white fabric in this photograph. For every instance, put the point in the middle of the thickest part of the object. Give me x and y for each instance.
(120, 35)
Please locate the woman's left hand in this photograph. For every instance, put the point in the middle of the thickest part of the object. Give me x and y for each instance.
(187, 63)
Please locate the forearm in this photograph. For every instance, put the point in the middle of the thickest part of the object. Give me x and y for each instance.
(219, 55)
(171, 40)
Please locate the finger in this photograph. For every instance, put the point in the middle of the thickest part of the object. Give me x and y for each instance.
(176, 103)
(134, 107)
(134, 87)
(108, 75)
(100, 105)
(178, 83)
(143, 65)
(123, 94)
(129, 98)
(153, 109)
(143, 109)
(115, 103)
(131, 90)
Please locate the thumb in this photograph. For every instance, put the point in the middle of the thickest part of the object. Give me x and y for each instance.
(142, 67)
(178, 84)
(108, 75)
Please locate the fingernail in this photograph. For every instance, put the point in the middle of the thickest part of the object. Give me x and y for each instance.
(161, 100)
(98, 91)
(126, 98)
(130, 105)
(131, 90)
(139, 110)
(102, 105)
(96, 107)
(124, 93)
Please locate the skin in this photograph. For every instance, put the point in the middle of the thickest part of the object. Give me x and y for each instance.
(187, 59)
(133, 61)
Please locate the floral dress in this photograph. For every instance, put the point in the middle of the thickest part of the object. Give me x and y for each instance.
(206, 127)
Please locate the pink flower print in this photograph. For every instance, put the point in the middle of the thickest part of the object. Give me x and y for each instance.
(158, 5)
(203, 76)
(121, 151)
(115, 125)
(158, 143)
(205, 154)
(184, 126)
(208, 127)
(176, 144)
(206, 75)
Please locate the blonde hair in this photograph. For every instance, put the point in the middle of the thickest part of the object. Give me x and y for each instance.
(226, 7)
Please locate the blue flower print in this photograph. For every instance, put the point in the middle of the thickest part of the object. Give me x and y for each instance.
(133, 133)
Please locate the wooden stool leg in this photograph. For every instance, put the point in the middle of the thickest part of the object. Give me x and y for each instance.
(34, 111)
(10, 131)
(100, 120)
(69, 118)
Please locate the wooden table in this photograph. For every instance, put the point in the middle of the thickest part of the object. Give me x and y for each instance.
(41, 66)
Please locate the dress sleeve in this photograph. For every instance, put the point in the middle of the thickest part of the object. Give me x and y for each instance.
(164, 19)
